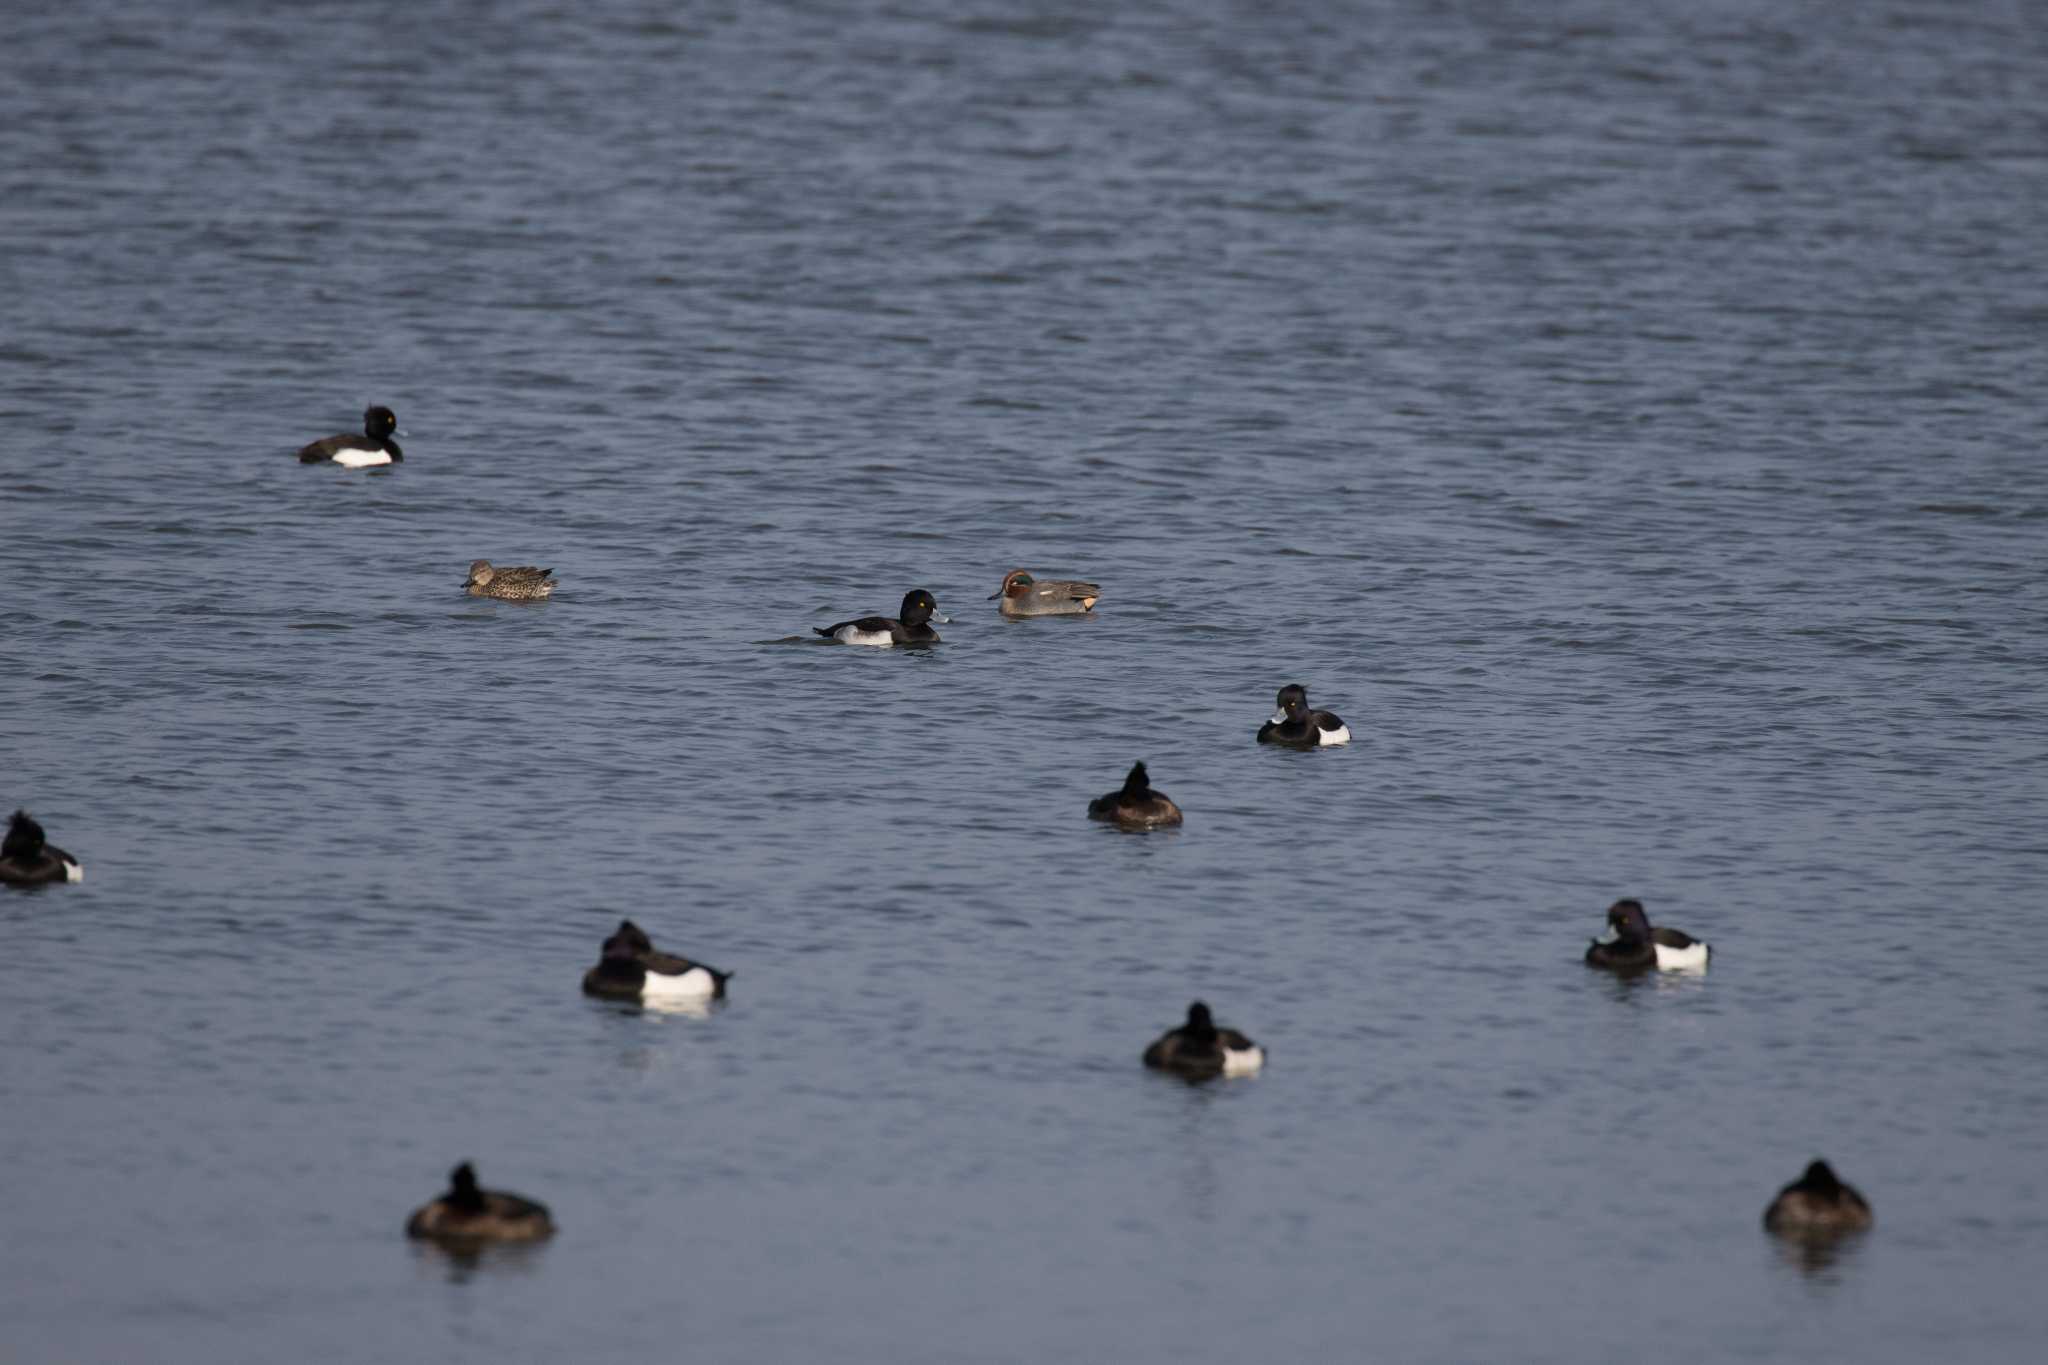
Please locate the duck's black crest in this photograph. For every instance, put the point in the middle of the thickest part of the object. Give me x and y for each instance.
(1137, 784)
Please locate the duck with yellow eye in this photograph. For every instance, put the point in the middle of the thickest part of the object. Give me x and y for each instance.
(1023, 595)
(911, 628)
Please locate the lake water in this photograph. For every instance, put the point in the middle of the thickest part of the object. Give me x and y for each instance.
(1627, 416)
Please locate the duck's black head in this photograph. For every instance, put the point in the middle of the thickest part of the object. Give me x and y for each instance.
(379, 422)
(629, 941)
(462, 1189)
(1293, 699)
(1631, 924)
(918, 607)
(1200, 1024)
(24, 837)
(1137, 784)
(1820, 1179)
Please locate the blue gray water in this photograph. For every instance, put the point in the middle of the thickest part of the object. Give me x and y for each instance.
(1627, 416)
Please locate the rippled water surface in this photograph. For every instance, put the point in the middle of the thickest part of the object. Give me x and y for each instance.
(1627, 416)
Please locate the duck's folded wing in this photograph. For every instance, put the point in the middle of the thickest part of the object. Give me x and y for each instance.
(322, 449)
(521, 574)
(1673, 938)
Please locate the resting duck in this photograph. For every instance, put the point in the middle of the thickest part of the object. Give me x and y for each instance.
(632, 969)
(1817, 1205)
(512, 583)
(1295, 725)
(909, 629)
(373, 447)
(1135, 805)
(468, 1214)
(27, 859)
(1200, 1051)
(1637, 947)
(1023, 595)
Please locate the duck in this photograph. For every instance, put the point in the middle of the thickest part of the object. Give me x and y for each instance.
(909, 629)
(469, 1214)
(1135, 805)
(373, 447)
(27, 859)
(1817, 1205)
(512, 583)
(1023, 595)
(631, 969)
(1199, 1051)
(1296, 726)
(1637, 947)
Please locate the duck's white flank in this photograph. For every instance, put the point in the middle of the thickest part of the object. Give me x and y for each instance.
(1243, 1061)
(854, 635)
(361, 459)
(1693, 959)
(695, 984)
(1340, 735)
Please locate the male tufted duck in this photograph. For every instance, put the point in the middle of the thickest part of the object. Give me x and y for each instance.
(1135, 805)
(468, 1214)
(1295, 725)
(632, 969)
(910, 629)
(1023, 595)
(373, 447)
(1199, 1051)
(26, 859)
(1636, 947)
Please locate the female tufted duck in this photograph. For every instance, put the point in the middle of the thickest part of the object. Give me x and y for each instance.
(1817, 1205)
(1199, 1051)
(373, 447)
(632, 969)
(26, 859)
(918, 608)
(1023, 595)
(1293, 724)
(1135, 805)
(468, 1214)
(1637, 947)
(512, 583)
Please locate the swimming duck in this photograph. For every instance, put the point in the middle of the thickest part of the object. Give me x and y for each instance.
(1200, 1051)
(1135, 805)
(1636, 946)
(1295, 725)
(1023, 595)
(513, 583)
(26, 859)
(373, 447)
(910, 629)
(468, 1214)
(1817, 1205)
(631, 969)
